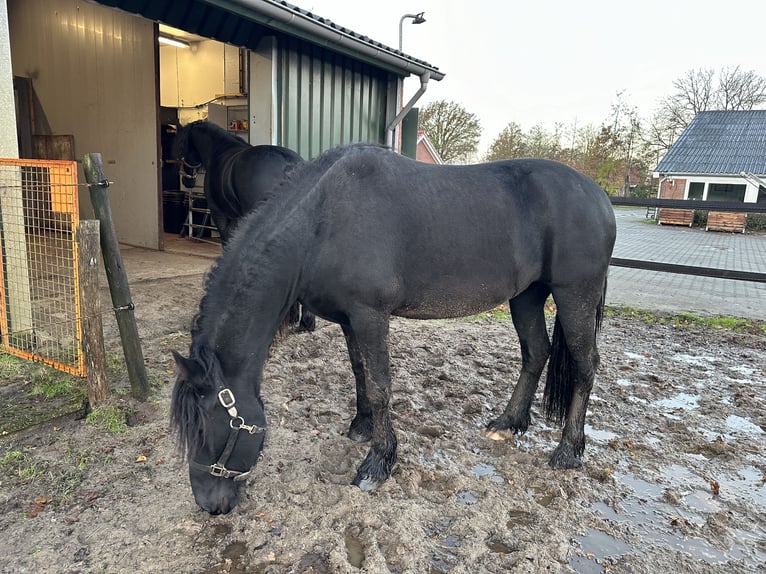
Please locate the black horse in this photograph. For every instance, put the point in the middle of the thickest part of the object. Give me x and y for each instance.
(238, 177)
(361, 234)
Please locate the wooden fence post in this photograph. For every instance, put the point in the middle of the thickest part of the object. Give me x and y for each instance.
(90, 312)
(115, 274)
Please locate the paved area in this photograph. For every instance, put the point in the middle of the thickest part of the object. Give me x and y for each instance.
(638, 238)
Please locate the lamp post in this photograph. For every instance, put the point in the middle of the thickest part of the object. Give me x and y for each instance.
(416, 19)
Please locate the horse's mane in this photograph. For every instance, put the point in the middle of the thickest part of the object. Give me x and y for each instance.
(307, 173)
(299, 181)
(181, 142)
(186, 412)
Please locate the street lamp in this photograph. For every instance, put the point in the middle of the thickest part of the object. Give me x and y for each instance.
(416, 19)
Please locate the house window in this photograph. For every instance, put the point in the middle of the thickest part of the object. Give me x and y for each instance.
(761, 194)
(726, 192)
(696, 190)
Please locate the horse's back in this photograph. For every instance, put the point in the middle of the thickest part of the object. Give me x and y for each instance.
(451, 240)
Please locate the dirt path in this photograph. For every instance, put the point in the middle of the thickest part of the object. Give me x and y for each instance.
(673, 478)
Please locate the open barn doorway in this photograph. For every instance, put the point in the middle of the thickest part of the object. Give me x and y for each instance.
(199, 79)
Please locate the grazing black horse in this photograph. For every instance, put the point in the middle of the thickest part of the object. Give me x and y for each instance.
(238, 177)
(361, 234)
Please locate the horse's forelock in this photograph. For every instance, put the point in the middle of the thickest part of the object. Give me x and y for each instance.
(187, 413)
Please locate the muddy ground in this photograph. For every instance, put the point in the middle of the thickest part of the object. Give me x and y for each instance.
(673, 479)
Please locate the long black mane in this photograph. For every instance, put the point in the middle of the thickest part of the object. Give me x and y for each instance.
(188, 415)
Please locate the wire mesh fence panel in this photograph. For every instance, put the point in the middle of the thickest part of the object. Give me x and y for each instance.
(39, 282)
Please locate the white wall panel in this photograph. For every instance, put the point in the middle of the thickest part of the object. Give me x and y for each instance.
(93, 71)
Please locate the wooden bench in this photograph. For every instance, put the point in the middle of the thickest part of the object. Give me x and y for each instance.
(726, 221)
(676, 216)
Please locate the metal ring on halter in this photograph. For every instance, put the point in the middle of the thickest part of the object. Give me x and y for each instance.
(237, 423)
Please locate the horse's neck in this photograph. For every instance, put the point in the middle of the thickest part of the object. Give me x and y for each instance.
(211, 148)
(247, 300)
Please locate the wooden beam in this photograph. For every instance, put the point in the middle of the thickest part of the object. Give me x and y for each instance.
(90, 312)
(116, 276)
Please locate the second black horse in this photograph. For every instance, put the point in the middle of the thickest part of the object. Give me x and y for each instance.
(238, 178)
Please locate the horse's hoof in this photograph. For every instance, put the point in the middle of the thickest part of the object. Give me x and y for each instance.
(367, 483)
(563, 459)
(497, 434)
(357, 436)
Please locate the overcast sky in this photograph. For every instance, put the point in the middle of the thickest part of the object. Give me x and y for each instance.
(547, 61)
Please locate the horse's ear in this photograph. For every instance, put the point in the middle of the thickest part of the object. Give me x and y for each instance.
(188, 369)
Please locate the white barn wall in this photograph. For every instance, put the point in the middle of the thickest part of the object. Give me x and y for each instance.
(93, 71)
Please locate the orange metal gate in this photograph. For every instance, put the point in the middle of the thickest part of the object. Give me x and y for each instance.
(39, 275)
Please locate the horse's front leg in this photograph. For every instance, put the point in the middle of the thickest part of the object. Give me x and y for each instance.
(370, 339)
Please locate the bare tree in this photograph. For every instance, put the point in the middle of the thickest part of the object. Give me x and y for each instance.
(453, 131)
(740, 90)
(697, 91)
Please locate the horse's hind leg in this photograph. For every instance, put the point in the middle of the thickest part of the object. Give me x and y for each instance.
(368, 332)
(528, 314)
(572, 370)
(361, 427)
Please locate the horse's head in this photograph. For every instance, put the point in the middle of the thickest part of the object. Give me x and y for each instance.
(220, 428)
(186, 152)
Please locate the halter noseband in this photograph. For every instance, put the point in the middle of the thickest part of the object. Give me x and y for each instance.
(192, 166)
(237, 423)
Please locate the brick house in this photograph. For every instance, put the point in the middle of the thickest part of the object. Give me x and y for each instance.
(720, 156)
(425, 151)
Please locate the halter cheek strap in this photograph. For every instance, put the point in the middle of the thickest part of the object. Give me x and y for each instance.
(237, 423)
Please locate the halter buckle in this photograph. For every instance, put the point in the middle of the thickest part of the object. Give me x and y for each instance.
(226, 398)
(219, 471)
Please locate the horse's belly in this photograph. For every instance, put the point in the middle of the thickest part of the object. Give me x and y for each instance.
(447, 303)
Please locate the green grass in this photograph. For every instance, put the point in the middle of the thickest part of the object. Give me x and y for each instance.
(16, 463)
(11, 366)
(51, 384)
(109, 418)
(687, 320)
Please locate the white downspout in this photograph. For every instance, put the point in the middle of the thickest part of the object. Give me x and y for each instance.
(424, 77)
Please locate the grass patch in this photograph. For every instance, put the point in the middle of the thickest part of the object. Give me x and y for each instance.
(688, 320)
(51, 384)
(16, 463)
(500, 313)
(10, 366)
(109, 418)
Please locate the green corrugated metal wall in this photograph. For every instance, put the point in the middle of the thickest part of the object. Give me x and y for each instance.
(326, 99)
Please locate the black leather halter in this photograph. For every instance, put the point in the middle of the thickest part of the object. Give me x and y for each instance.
(237, 423)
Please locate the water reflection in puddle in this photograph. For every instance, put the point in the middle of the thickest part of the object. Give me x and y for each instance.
(484, 469)
(704, 362)
(656, 521)
(742, 425)
(599, 435)
(466, 497)
(681, 401)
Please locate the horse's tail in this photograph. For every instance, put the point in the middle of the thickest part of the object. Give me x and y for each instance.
(562, 370)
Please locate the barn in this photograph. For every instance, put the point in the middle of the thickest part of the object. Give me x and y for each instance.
(110, 76)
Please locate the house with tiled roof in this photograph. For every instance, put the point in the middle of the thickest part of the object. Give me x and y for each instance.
(720, 156)
(426, 152)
